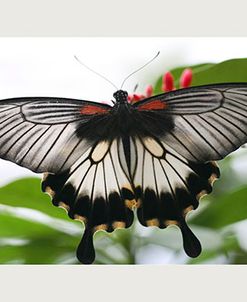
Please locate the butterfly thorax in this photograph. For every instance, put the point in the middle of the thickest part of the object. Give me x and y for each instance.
(121, 96)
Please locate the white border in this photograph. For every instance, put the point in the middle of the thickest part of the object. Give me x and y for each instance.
(140, 18)
(123, 283)
(122, 18)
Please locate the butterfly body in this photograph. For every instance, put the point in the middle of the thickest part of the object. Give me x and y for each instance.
(100, 162)
(124, 119)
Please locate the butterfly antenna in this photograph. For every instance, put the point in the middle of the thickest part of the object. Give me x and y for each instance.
(95, 72)
(140, 68)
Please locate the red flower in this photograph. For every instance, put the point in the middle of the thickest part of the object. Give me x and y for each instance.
(167, 82)
(186, 78)
(149, 90)
(167, 85)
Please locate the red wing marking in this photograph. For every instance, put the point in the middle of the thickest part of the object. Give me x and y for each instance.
(153, 105)
(93, 109)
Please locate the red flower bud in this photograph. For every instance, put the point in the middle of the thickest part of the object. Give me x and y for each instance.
(149, 91)
(186, 78)
(167, 82)
(136, 97)
(132, 98)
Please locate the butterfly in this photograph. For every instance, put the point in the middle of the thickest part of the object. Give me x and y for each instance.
(100, 162)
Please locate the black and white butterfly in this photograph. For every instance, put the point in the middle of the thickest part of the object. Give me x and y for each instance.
(100, 161)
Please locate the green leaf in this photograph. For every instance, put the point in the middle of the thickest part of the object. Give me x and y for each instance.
(27, 193)
(234, 70)
(25, 241)
(226, 209)
(18, 227)
(39, 251)
(228, 71)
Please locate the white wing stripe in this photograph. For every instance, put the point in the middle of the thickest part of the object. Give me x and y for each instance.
(167, 178)
(16, 140)
(216, 129)
(176, 141)
(35, 142)
(52, 146)
(200, 135)
(231, 123)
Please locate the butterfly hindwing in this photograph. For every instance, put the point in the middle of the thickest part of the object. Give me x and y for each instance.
(169, 186)
(95, 191)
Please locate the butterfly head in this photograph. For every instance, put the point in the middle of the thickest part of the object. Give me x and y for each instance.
(121, 96)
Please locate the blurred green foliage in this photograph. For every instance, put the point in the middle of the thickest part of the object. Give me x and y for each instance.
(33, 231)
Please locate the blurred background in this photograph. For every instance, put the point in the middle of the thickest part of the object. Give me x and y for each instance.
(33, 231)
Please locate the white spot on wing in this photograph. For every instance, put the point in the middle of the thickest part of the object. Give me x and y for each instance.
(153, 147)
(100, 151)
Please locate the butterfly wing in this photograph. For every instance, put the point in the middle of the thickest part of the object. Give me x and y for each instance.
(168, 187)
(42, 134)
(95, 190)
(85, 173)
(175, 163)
(206, 122)
(98, 180)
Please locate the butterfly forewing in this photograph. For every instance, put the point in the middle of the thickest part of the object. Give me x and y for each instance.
(208, 122)
(41, 133)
